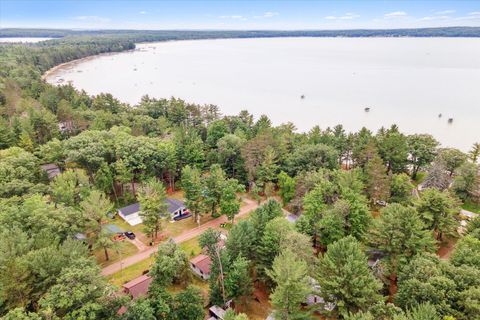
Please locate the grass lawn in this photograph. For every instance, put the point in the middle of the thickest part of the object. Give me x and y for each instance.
(197, 282)
(175, 228)
(131, 272)
(191, 247)
(124, 249)
(470, 206)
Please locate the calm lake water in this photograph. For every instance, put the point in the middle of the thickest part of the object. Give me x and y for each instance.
(407, 81)
(23, 40)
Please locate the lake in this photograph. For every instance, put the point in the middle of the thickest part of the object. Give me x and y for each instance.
(407, 81)
(22, 40)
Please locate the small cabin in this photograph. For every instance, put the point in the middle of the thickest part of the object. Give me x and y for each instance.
(138, 287)
(201, 266)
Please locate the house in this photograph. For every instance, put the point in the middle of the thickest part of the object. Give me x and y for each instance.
(131, 213)
(201, 265)
(137, 287)
(66, 126)
(80, 236)
(216, 313)
(51, 169)
(315, 298)
(177, 209)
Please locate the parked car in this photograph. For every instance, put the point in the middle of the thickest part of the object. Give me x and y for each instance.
(185, 215)
(130, 235)
(119, 237)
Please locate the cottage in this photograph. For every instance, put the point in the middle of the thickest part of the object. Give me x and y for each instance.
(138, 287)
(51, 169)
(201, 265)
(66, 126)
(315, 298)
(216, 313)
(131, 213)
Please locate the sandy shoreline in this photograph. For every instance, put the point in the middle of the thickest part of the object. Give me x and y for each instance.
(57, 70)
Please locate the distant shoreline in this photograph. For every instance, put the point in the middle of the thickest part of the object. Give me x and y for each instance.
(66, 65)
(70, 64)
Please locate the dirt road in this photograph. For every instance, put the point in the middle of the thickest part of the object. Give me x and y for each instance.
(249, 206)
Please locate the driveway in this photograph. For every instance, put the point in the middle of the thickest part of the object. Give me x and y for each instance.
(185, 236)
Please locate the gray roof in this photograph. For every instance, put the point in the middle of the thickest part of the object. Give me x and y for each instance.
(292, 218)
(131, 209)
(51, 169)
(173, 205)
(112, 228)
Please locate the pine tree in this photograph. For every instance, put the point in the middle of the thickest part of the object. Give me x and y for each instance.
(153, 207)
(290, 275)
(345, 279)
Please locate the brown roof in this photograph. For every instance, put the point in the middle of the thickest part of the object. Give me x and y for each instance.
(202, 262)
(138, 286)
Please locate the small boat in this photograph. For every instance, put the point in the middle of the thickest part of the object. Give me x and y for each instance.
(439, 115)
(450, 120)
(367, 109)
(134, 69)
(302, 96)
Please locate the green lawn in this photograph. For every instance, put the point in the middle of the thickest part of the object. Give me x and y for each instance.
(420, 178)
(470, 206)
(123, 250)
(191, 247)
(130, 272)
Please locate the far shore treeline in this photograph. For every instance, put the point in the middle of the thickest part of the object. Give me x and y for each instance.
(377, 231)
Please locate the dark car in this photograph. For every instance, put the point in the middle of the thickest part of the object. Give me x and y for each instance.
(130, 235)
(184, 215)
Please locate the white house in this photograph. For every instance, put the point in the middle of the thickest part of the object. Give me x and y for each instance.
(131, 213)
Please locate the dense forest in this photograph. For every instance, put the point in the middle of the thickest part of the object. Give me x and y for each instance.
(387, 197)
(161, 35)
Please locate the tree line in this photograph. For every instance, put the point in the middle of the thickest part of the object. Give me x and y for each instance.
(355, 194)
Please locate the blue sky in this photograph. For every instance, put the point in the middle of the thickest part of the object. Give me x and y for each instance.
(230, 14)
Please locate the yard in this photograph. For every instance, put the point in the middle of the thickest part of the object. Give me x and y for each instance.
(471, 206)
(191, 247)
(124, 249)
(136, 270)
(131, 272)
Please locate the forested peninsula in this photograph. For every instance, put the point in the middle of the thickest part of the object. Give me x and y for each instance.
(326, 224)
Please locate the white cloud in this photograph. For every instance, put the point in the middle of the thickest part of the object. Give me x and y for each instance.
(346, 16)
(268, 14)
(430, 18)
(475, 16)
(395, 14)
(444, 12)
(143, 12)
(92, 19)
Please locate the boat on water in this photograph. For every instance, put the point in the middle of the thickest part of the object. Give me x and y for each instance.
(367, 109)
(450, 120)
(302, 96)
